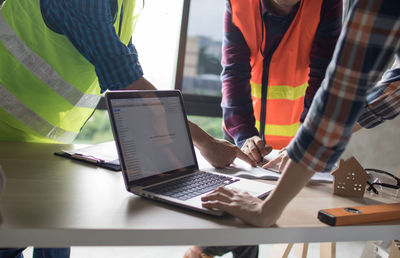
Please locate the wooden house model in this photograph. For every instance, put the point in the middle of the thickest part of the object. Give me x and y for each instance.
(349, 178)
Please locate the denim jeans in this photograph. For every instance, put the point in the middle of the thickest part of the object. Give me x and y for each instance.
(37, 252)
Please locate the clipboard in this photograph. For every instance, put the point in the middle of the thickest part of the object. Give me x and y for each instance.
(102, 155)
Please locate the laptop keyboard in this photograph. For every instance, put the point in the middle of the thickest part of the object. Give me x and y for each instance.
(192, 185)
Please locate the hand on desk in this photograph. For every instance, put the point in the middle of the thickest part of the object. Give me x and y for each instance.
(256, 149)
(237, 203)
(243, 206)
(261, 213)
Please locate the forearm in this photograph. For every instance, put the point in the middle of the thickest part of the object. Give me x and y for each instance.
(236, 103)
(199, 136)
(141, 84)
(237, 107)
(240, 126)
(357, 127)
(294, 178)
(383, 103)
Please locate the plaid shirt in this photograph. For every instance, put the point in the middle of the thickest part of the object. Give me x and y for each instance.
(89, 25)
(383, 102)
(367, 44)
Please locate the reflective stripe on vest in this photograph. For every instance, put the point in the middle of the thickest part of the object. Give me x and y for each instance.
(17, 109)
(288, 67)
(281, 130)
(289, 100)
(42, 69)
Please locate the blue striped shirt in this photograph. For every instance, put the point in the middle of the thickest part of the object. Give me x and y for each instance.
(89, 25)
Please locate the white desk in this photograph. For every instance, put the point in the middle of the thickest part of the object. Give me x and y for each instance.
(52, 201)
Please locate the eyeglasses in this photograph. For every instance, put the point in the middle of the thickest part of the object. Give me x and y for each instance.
(385, 179)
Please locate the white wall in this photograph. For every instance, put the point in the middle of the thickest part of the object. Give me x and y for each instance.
(378, 147)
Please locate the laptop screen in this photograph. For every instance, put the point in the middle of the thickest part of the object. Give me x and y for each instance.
(152, 134)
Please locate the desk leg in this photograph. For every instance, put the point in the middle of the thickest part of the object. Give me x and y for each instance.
(327, 250)
(395, 249)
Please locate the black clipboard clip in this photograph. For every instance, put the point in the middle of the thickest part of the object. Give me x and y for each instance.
(87, 158)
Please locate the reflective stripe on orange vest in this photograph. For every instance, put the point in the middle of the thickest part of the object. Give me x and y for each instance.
(288, 67)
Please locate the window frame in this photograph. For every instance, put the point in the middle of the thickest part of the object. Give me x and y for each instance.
(195, 104)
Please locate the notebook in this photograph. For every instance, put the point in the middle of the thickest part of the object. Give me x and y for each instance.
(156, 151)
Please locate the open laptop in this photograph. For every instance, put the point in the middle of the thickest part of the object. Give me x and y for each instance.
(156, 152)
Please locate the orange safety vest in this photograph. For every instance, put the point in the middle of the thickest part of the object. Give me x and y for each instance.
(278, 83)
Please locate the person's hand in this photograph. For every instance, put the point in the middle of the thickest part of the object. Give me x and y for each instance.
(194, 252)
(255, 211)
(241, 205)
(357, 127)
(221, 153)
(256, 149)
(280, 161)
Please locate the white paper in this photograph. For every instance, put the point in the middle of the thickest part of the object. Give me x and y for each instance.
(106, 151)
(244, 170)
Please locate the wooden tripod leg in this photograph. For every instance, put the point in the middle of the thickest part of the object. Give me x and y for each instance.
(328, 250)
(395, 249)
(301, 249)
(280, 250)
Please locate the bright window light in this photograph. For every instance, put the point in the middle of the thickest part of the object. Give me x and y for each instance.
(156, 38)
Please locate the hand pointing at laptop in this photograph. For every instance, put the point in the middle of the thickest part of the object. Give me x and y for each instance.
(219, 153)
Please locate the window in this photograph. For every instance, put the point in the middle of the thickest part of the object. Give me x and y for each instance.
(202, 61)
(199, 56)
(198, 67)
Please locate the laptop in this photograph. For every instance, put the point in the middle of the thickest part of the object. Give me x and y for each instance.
(156, 151)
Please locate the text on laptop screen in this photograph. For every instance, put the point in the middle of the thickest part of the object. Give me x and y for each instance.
(152, 135)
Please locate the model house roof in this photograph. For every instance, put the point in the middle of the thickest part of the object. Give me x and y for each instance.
(350, 165)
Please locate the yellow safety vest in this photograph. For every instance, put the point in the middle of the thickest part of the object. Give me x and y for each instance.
(48, 90)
